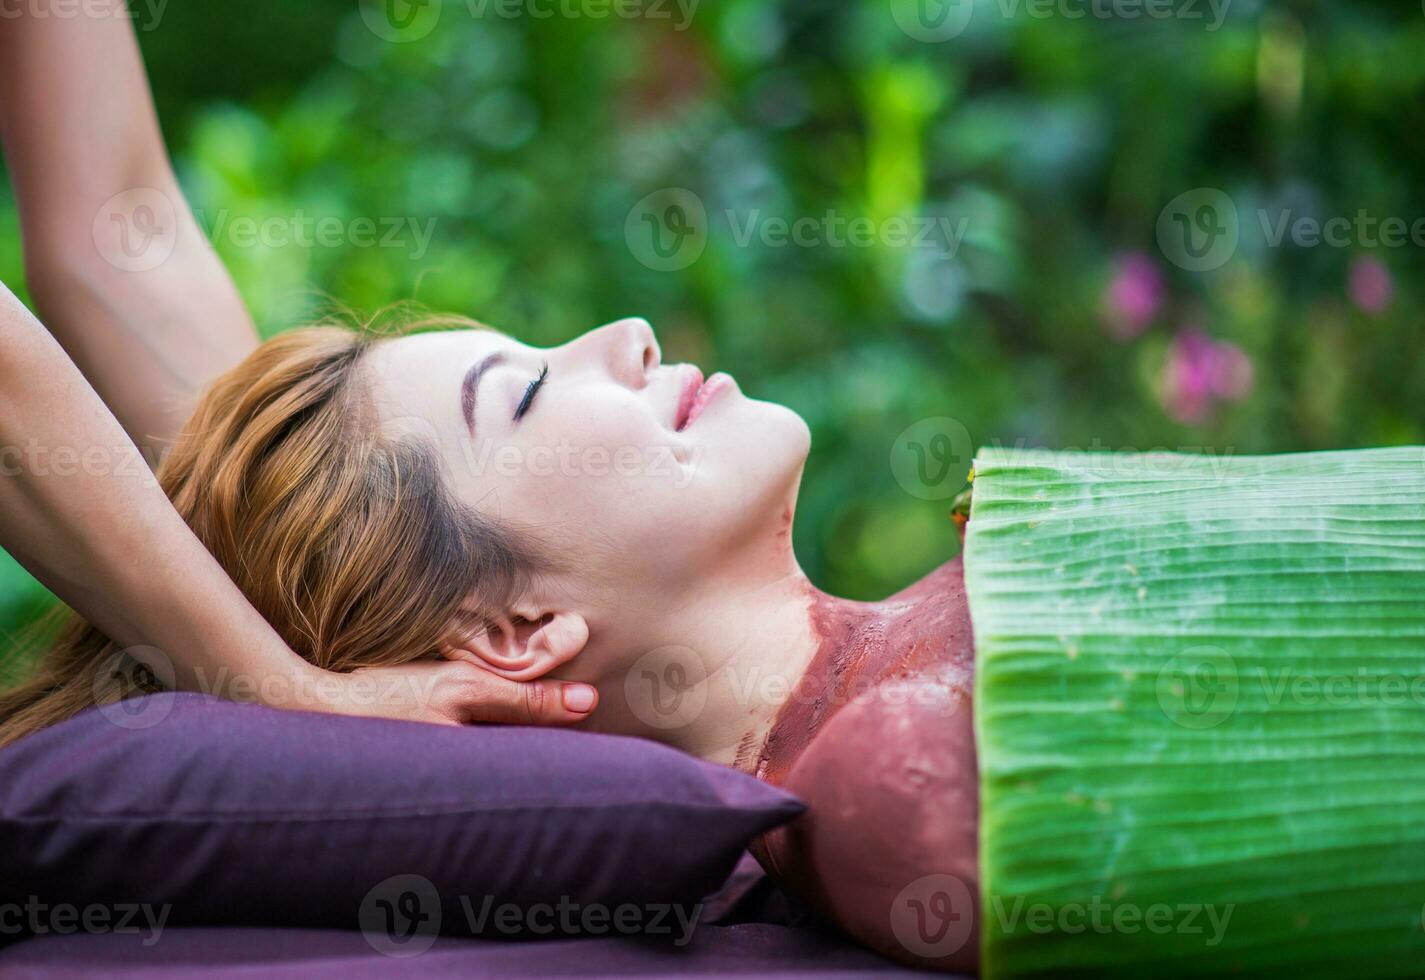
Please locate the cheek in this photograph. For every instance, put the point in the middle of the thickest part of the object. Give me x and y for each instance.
(607, 465)
(598, 474)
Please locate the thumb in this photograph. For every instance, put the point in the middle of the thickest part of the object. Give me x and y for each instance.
(485, 697)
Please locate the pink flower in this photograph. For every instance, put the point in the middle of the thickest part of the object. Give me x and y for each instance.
(1201, 372)
(1371, 286)
(1133, 296)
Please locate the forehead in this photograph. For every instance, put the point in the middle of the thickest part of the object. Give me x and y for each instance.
(411, 374)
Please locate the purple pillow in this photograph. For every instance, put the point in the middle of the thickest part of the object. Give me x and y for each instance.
(234, 814)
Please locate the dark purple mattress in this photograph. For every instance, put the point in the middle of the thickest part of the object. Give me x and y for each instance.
(745, 950)
(749, 929)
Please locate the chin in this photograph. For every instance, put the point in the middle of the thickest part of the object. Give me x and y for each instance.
(793, 429)
(767, 437)
(754, 464)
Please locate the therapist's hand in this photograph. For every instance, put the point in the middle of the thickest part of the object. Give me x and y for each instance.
(453, 693)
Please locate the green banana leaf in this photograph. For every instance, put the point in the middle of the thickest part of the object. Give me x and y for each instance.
(1200, 712)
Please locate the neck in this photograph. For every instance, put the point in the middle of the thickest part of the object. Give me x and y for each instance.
(764, 669)
(716, 674)
(720, 668)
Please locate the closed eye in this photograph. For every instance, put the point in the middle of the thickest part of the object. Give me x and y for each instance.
(530, 391)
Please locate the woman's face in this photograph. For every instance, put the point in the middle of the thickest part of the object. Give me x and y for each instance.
(643, 472)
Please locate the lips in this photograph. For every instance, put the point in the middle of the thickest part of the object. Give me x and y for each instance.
(692, 383)
(697, 394)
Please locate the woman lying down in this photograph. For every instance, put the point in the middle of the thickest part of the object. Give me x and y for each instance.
(590, 513)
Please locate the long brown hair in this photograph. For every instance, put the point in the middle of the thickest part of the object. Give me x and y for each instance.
(344, 538)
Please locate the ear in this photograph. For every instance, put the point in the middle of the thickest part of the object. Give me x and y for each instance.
(524, 645)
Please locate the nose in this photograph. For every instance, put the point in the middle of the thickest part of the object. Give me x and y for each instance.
(626, 348)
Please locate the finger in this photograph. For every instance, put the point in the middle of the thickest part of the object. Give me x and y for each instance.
(491, 699)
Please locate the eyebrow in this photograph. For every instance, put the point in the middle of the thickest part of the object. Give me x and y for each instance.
(470, 387)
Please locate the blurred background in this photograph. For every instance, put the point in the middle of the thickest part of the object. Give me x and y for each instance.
(926, 225)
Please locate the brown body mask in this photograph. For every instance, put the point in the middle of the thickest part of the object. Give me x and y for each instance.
(878, 740)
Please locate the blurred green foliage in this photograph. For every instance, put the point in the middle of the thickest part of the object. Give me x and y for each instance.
(1055, 141)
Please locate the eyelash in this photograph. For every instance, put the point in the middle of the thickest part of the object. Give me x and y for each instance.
(530, 391)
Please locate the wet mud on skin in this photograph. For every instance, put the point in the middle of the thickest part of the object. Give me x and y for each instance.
(878, 739)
